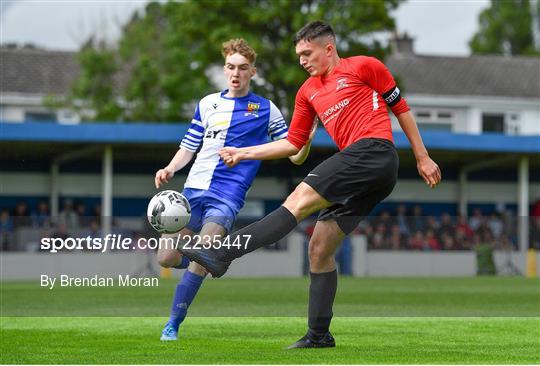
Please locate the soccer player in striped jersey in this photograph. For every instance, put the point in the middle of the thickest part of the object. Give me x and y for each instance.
(233, 117)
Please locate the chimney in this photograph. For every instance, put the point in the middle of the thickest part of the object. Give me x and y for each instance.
(402, 44)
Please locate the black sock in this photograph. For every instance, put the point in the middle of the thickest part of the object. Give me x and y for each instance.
(266, 231)
(322, 292)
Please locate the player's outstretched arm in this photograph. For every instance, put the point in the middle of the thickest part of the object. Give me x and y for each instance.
(180, 160)
(269, 151)
(298, 159)
(427, 168)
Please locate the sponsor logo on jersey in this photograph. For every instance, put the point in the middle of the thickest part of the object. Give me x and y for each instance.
(214, 134)
(341, 83)
(334, 110)
(313, 96)
(252, 109)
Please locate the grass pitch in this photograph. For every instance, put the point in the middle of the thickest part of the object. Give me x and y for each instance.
(243, 321)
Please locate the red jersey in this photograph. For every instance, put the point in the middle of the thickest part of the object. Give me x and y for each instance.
(350, 102)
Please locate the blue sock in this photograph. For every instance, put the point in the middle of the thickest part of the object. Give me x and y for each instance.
(183, 296)
(184, 263)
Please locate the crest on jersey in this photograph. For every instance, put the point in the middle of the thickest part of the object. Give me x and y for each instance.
(341, 83)
(253, 109)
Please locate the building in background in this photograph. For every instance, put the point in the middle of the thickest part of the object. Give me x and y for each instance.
(475, 94)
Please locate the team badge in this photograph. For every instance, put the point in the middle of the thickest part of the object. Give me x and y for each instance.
(341, 83)
(253, 109)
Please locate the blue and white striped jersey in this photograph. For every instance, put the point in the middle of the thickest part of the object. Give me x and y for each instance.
(221, 121)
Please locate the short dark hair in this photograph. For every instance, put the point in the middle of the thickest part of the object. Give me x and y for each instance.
(314, 30)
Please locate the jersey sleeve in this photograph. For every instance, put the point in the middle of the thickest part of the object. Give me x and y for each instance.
(195, 133)
(378, 77)
(277, 128)
(302, 120)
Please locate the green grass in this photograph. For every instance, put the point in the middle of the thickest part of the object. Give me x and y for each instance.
(246, 321)
(356, 297)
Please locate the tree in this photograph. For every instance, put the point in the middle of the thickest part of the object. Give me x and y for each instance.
(505, 28)
(93, 93)
(170, 48)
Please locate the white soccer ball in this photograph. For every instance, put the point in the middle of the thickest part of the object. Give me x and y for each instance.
(168, 212)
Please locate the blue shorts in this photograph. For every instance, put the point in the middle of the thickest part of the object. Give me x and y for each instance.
(208, 207)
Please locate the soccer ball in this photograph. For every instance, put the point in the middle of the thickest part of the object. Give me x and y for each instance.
(168, 212)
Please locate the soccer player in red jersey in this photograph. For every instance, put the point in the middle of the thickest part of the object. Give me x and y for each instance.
(349, 96)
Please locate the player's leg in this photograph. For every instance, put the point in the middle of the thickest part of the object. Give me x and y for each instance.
(301, 203)
(326, 238)
(168, 256)
(189, 285)
(171, 257)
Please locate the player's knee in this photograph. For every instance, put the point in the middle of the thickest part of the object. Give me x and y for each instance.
(318, 252)
(303, 201)
(167, 259)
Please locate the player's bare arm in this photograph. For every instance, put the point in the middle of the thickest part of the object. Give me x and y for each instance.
(302, 155)
(180, 160)
(269, 151)
(427, 168)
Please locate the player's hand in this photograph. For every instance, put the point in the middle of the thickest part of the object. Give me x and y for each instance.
(230, 156)
(163, 176)
(429, 170)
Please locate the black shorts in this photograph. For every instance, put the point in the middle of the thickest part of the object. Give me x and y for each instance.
(355, 180)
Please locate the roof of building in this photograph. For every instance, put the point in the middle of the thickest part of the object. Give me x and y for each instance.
(52, 72)
(152, 133)
(35, 71)
(487, 75)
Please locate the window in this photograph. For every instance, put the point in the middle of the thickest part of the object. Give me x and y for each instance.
(434, 119)
(39, 116)
(493, 123)
(435, 126)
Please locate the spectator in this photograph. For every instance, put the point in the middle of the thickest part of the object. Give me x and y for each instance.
(447, 226)
(94, 230)
(449, 243)
(432, 241)
(396, 238)
(402, 220)
(6, 229)
(464, 228)
(432, 224)
(96, 213)
(417, 221)
(495, 225)
(476, 220)
(534, 233)
(68, 216)
(384, 219)
(535, 211)
(42, 217)
(510, 226)
(417, 241)
(60, 231)
(21, 215)
(462, 240)
(84, 219)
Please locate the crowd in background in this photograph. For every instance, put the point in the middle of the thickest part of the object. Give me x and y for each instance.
(72, 217)
(404, 229)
